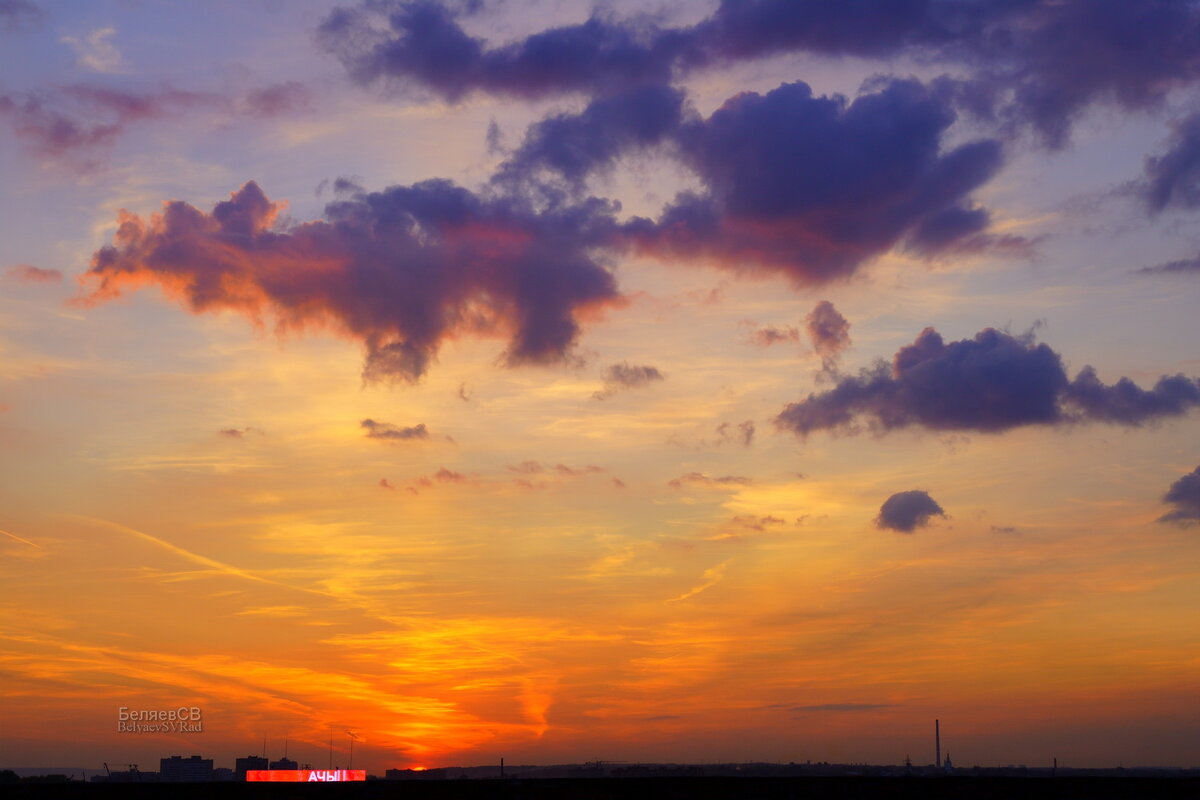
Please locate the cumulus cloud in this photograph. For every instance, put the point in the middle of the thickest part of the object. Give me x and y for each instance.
(815, 187)
(829, 333)
(990, 383)
(1036, 64)
(386, 430)
(626, 376)
(1184, 495)
(573, 146)
(421, 43)
(28, 273)
(398, 270)
(904, 512)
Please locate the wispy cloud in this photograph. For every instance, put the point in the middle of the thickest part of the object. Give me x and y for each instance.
(95, 51)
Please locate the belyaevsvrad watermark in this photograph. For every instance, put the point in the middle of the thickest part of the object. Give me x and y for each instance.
(185, 719)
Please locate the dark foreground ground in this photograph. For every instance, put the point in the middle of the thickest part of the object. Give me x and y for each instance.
(795, 788)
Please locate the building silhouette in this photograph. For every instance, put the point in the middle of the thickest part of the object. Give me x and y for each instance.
(242, 765)
(178, 769)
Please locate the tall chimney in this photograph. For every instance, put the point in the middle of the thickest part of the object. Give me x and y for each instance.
(937, 742)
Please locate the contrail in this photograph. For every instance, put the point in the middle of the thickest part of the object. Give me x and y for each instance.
(196, 558)
(19, 539)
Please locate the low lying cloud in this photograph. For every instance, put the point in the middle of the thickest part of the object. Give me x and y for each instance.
(742, 433)
(1182, 266)
(991, 383)
(701, 479)
(386, 430)
(1184, 495)
(770, 334)
(31, 274)
(626, 376)
(904, 512)
(237, 433)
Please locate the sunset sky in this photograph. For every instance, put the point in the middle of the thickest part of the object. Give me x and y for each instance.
(642, 381)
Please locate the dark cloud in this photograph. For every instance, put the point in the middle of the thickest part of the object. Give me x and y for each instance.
(399, 270)
(448, 476)
(1044, 62)
(700, 479)
(829, 333)
(904, 512)
(990, 383)
(384, 483)
(815, 187)
(626, 376)
(1184, 494)
(386, 430)
(573, 146)
(421, 43)
(28, 273)
(527, 468)
(1173, 178)
(1126, 403)
(1180, 267)
(1022, 63)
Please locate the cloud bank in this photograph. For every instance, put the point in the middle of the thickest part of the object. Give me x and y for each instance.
(990, 383)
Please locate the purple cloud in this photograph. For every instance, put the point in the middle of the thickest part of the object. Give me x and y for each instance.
(991, 383)
(904, 512)
(1184, 494)
(399, 270)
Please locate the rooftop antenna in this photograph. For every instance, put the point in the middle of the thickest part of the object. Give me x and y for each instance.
(352, 738)
(937, 742)
(331, 746)
(285, 747)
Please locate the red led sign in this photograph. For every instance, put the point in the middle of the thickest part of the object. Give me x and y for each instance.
(306, 775)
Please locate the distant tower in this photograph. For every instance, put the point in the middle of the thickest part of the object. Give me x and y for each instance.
(937, 742)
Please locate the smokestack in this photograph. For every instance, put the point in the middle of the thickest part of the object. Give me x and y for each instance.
(937, 742)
